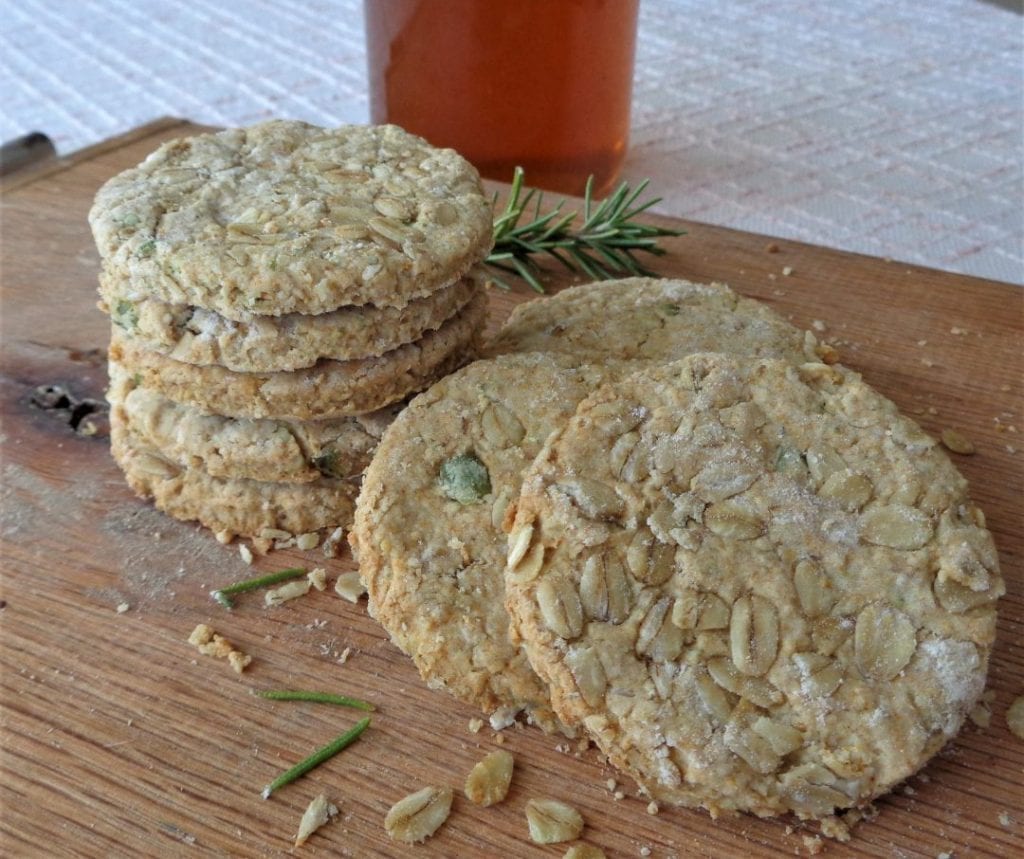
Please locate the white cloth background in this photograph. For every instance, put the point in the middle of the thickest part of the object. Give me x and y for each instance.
(890, 128)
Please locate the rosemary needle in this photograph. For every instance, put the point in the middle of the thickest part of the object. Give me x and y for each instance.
(318, 697)
(603, 247)
(317, 758)
(221, 594)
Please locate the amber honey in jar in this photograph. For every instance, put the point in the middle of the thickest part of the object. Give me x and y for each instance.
(544, 84)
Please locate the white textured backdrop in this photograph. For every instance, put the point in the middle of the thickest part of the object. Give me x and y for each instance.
(890, 128)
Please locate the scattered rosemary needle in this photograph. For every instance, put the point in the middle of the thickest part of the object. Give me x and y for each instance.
(318, 697)
(221, 594)
(317, 758)
(604, 246)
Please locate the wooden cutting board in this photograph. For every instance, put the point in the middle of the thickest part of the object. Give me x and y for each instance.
(119, 740)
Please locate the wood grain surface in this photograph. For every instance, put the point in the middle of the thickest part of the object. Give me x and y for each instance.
(120, 740)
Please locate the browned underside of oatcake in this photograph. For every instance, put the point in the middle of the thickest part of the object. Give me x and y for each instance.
(257, 449)
(261, 344)
(758, 586)
(331, 389)
(285, 217)
(243, 507)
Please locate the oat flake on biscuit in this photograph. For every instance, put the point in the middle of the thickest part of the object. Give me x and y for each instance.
(756, 585)
(286, 217)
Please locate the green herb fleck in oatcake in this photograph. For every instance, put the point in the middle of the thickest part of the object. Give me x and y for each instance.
(124, 315)
(464, 478)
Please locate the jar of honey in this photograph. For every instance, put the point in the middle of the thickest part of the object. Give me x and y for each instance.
(543, 84)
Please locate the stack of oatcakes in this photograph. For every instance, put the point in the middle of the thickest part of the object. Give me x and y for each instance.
(275, 292)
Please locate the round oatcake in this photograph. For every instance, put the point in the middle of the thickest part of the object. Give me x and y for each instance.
(756, 585)
(286, 217)
(243, 507)
(429, 528)
(329, 389)
(266, 450)
(448, 623)
(250, 343)
(651, 319)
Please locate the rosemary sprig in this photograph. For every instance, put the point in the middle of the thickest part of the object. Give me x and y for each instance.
(317, 758)
(221, 594)
(318, 697)
(604, 247)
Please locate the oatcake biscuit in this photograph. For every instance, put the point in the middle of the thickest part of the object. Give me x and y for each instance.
(457, 645)
(329, 389)
(429, 523)
(267, 450)
(243, 507)
(653, 320)
(259, 344)
(757, 585)
(285, 217)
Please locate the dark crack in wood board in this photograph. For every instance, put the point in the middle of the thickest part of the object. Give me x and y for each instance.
(119, 740)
